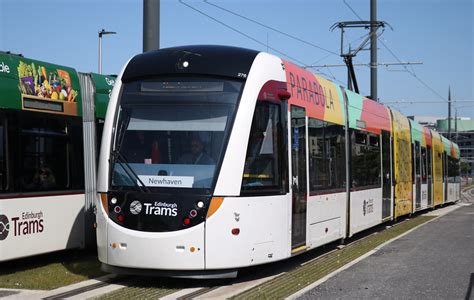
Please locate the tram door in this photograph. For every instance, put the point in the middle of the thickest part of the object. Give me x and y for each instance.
(445, 177)
(298, 180)
(429, 165)
(387, 175)
(417, 177)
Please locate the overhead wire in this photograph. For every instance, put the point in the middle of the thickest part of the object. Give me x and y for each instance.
(412, 73)
(353, 11)
(241, 33)
(254, 39)
(278, 31)
(271, 28)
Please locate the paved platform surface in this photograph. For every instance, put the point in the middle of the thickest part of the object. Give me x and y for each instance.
(432, 262)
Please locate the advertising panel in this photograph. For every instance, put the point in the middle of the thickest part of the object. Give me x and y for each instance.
(38, 86)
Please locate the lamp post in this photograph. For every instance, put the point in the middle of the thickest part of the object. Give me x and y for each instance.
(101, 33)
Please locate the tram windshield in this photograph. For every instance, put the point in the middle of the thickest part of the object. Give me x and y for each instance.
(171, 133)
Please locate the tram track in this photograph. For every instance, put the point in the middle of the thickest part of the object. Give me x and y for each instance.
(248, 283)
(199, 292)
(82, 289)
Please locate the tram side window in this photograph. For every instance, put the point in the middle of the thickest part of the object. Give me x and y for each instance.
(429, 162)
(423, 165)
(453, 170)
(327, 168)
(3, 169)
(44, 153)
(366, 164)
(263, 170)
(416, 164)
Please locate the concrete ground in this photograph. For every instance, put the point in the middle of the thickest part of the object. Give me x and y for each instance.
(432, 262)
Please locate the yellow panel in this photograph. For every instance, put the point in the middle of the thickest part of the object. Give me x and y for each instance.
(438, 149)
(335, 114)
(402, 157)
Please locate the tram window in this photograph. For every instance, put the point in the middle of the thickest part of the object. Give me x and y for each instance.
(423, 165)
(263, 167)
(44, 153)
(416, 161)
(327, 168)
(3, 170)
(453, 169)
(429, 162)
(366, 164)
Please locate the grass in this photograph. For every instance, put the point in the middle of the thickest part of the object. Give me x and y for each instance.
(55, 270)
(150, 289)
(297, 279)
(50, 271)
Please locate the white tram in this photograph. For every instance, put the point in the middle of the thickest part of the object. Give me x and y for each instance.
(217, 158)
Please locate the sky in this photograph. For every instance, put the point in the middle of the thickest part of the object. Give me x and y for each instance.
(437, 33)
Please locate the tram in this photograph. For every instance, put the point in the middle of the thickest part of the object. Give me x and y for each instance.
(50, 119)
(217, 158)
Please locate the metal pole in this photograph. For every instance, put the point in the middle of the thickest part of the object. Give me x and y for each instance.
(101, 33)
(100, 52)
(151, 25)
(456, 125)
(449, 113)
(373, 50)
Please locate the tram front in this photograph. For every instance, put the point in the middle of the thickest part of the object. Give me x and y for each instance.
(164, 139)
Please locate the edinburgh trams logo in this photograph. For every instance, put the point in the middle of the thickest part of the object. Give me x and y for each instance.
(135, 207)
(4, 227)
(29, 223)
(368, 206)
(156, 208)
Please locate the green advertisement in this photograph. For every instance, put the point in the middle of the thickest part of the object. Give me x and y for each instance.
(38, 86)
(103, 87)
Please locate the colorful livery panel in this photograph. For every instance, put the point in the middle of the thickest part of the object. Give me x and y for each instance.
(321, 98)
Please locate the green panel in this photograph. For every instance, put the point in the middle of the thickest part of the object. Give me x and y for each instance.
(10, 96)
(42, 83)
(342, 104)
(447, 145)
(103, 87)
(355, 108)
(417, 133)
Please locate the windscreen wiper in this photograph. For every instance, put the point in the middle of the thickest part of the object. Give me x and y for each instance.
(122, 128)
(117, 156)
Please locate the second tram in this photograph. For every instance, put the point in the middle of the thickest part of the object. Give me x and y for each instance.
(50, 119)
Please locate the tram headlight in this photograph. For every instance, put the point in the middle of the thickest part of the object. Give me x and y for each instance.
(200, 204)
(113, 200)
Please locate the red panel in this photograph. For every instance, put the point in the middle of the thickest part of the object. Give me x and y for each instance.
(453, 150)
(376, 116)
(427, 137)
(270, 91)
(305, 90)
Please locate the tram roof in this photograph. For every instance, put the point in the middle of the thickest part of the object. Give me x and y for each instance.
(187, 60)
